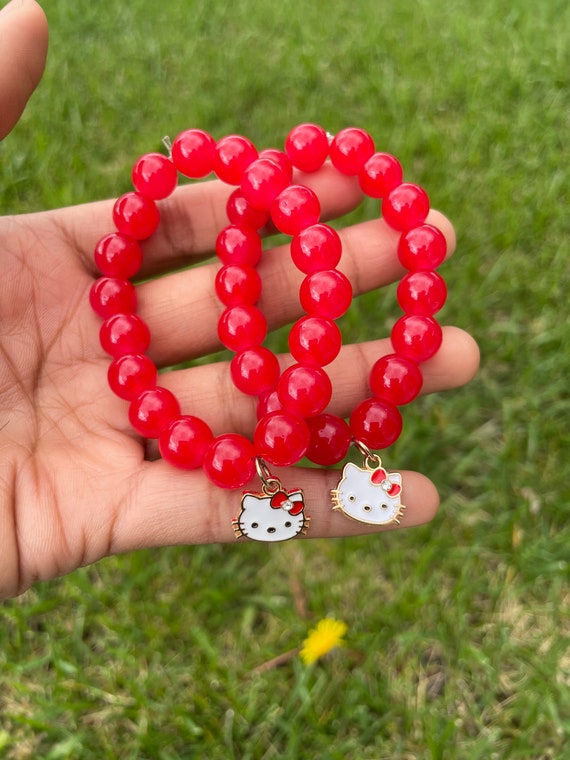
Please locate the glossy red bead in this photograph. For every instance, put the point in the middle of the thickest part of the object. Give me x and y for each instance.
(185, 441)
(422, 248)
(421, 293)
(109, 296)
(316, 248)
(376, 423)
(232, 157)
(395, 379)
(154, 176)
(262, 181)
(405, 206)
(124, 334)
(314, 340)
(307, 146)
(330, 439)
(281, 438)
(242, 327)
(243, 214)
(294, 209)
(380, 174)
(268, 402)
(135, 215)
(279, 158)
(229, 461)
(239, 245)
(193, 153)
(326, 294)
(130, 375)
(304, 390)
(152, 411)
(238, 285)
(255, 370)
(118, 255)
(416, 337)
(350, 150)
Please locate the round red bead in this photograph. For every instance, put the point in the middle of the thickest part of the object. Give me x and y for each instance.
(124, 334)
(154, 176)
(268, 402)
(376, 423)
(350, 149)
(294, 209)
(242, 327)
(237, 285)
(118, 255)
(135, 215)
(262, 181)
(316, 248)
(406, 206)
(239, 245)
(232, 157)
(330, 439)
(380, 174)
(255, 370)
(152, 411)
(314, 340)
(193, 153)
(422, 248)
(130, 375)
(243, 214)
(307, 146)
(281, 438)
(421, 293)
(229, 461)
(185, 441)
(304, 390)
(279, 158)
(326, 294)
(109, 296)
(416, 337)
(395, 379)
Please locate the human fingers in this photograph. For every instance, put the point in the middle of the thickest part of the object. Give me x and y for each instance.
(23, 49)
(167, 507)
(207, 391)
(191, 218)
(171, 304)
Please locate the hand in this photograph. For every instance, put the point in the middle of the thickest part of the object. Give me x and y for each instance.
(76, 483)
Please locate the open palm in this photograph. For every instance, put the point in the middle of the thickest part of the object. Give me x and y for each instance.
(76, 483)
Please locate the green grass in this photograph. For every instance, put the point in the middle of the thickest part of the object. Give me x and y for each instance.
(458, 631)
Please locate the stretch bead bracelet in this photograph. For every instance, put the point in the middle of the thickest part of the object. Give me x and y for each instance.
(292, 417)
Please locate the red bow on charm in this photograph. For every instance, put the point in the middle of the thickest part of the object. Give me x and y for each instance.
(291, 502)
(381, 478)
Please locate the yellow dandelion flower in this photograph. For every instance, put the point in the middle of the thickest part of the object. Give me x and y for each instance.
(327, 635)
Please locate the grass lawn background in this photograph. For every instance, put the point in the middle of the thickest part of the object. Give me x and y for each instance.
(457, 643)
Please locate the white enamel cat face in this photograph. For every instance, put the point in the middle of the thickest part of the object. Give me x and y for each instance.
(271, 518)
(369, 496)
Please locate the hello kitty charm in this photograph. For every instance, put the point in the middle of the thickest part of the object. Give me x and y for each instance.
(273, 515)
(369, 494)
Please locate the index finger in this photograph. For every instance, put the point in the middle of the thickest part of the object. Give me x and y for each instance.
(191, 219)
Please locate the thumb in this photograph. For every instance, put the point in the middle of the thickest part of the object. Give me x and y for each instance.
(23, 49)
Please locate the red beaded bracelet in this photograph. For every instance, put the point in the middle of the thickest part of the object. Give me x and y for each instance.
(292, 417)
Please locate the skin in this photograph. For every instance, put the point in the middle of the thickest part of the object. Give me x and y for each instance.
(76, 483)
